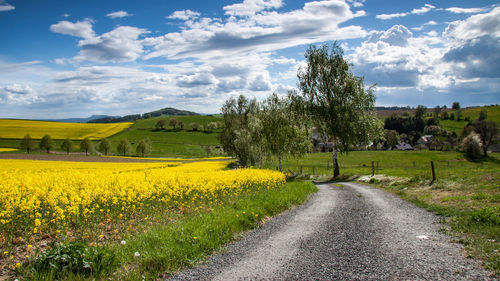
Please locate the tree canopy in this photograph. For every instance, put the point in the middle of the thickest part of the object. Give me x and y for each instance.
(337, 98)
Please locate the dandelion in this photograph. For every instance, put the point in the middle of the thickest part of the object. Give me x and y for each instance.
(6, 253)
(123, 242)
(195, 238)
(18, 265)
(137, 254)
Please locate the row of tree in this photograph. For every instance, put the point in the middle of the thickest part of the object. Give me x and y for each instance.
(176, 124)
(144, 147)
(332, 100)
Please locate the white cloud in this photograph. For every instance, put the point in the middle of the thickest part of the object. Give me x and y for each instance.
(457, 10)
(122, 44)
(251, 7)
(118, 14)
(487, 24)
(420, 11)
(81, 29)
(257, 30)
(429, 23)
(4, 6)
(184, 15)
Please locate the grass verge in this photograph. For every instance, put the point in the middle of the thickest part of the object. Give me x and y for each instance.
(163, 249)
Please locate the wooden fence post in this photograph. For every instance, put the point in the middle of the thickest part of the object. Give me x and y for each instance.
(433, 173)
(373, 168)
(301, 169)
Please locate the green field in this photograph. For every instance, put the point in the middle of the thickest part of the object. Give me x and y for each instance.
(178, 143)
(493, 113)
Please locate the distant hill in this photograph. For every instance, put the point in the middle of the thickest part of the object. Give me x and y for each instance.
(169, 111)
(79, 120)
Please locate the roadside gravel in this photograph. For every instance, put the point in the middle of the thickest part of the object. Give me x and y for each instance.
(353, 232)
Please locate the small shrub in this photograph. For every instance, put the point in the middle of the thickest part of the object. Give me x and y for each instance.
(374, 180)
(471, 146)
(74, 257)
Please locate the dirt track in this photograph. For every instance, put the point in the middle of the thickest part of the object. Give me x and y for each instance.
(353, 232)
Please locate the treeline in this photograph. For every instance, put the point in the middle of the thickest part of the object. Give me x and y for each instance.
(476, 135)
(178, 125)
(132, 118)
(104, 146)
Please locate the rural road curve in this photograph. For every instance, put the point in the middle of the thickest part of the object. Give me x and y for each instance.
(353, 232)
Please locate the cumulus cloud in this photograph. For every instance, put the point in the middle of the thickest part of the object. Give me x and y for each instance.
(118, 14)
(4, 6)
(82, 29)
(425, 9)
(397, 35)
(184, 15)
(260, 83)
(475, 50)
(122, 44)
(487, 24)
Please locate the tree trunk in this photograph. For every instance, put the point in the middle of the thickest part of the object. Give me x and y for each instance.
(260, 157)
(279, 161)
(336, 170)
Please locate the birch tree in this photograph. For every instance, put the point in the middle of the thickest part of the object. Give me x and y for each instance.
(335, 96)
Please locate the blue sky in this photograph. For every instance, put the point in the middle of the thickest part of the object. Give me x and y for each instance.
(63, 58)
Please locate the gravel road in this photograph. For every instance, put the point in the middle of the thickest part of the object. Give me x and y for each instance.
(353, 232)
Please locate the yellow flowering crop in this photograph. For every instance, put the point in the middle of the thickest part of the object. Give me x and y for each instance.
(17, 129)
(8, 149)
(37, 195)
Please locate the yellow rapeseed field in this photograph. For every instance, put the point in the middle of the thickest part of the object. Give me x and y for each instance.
(2, 149)
(17, 129)
(44, 196)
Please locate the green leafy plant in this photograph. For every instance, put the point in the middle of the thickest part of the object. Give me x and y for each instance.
(72, 258)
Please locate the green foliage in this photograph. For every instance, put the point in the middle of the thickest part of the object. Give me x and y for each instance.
(236, 137)
(104, 146)
(75, 258)
(160, 124)
(471, 146)
(124, 147)
(455, 105)
(27, 143)
(487, 131)
(281, 135)
(337, 98)
(144, 147)
(483, 114)
(67, 145)
(46, 143)
(86, 145)
(392, 138)
(173, 122)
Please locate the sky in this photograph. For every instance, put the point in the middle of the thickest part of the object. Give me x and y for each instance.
(62, 59)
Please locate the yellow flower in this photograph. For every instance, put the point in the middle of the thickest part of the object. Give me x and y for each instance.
(18, 265)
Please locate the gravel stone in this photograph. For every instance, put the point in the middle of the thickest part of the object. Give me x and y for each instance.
(353, 232)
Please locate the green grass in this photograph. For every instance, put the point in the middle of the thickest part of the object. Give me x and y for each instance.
(493, 114)
(178, 143)
(164, 249)
(466, 193)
